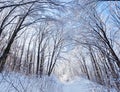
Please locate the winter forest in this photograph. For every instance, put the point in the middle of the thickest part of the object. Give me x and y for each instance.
(59, 46)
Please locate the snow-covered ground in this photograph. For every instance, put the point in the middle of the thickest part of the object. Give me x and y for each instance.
(12, 82)
(84, 85)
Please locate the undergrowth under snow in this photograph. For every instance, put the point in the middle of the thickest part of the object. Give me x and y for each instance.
(12, 82)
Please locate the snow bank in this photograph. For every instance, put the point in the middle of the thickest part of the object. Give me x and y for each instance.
(84, 85)
(11, 82)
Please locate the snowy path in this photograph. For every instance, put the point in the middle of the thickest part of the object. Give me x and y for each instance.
(19, 83)
(82, 85)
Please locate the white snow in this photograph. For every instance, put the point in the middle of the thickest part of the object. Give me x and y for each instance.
(84, 85)
(12, 82)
